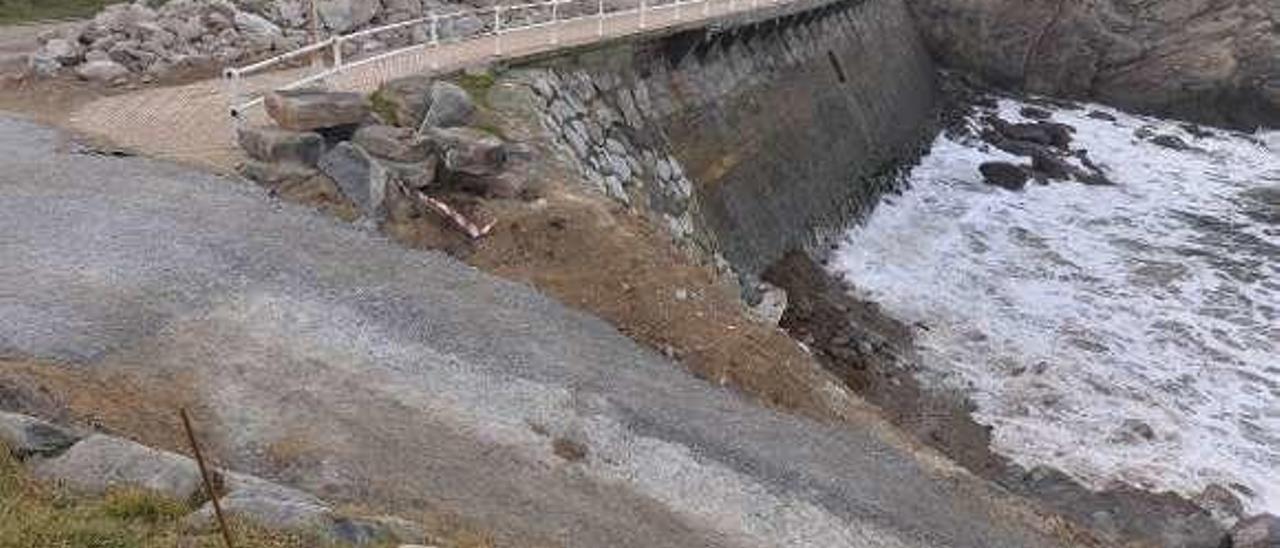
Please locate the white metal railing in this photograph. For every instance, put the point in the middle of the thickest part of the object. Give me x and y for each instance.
(466, 25)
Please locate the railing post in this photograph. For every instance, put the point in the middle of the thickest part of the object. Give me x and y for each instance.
(233, 82)
(555, 27)
(497, 30)
(677, 8)
(435, 41)
(600, 19)
(706, 8)
(641, 14)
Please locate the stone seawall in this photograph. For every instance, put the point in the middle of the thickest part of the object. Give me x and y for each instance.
(752, 137)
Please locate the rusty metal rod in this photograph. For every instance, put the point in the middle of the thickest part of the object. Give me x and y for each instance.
(204, 474)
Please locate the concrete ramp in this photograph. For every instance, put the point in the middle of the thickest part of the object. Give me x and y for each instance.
(336, 361)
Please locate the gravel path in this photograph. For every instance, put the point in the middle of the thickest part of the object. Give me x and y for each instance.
(403, 378)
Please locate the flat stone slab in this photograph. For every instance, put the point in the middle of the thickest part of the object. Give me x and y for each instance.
(277, 145)
(305, 110)
(269, 505)
(100, 462)
(28, 436)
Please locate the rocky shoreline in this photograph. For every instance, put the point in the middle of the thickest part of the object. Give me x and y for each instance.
(872, 352)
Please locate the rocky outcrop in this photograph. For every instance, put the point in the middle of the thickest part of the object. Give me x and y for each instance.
(1213, 61)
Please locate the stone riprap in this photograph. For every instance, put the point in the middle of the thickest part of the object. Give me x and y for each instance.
(750, 139)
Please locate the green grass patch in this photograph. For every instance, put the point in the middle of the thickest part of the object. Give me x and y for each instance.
(21, 11)
(37, 515)
(384, 108)
(476, 85)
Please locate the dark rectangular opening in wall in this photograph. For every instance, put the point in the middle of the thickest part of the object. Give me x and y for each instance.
(835, 65)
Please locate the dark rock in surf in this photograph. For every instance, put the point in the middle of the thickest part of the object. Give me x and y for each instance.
(1005, 175)
(1035, 113)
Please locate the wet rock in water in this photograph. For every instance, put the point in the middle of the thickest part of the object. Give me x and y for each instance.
(1035, 113)
(1172, 142)
(1197, 131)
(1261, 531)
(1051, 166)
(1042, 133)
(451, 106)
(393, 143)
(1220, 502)
(1100, 115)
(1004, 175)
(273, 144)
(305, 110)
(101, 462)
(1133, 431)
(28, 436)
(361, 178)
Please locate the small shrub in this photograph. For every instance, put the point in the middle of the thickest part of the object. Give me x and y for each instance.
(476, 85)
(384, 108)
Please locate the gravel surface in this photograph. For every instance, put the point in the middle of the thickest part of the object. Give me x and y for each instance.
(350, 367)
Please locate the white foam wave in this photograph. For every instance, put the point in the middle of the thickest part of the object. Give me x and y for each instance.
(1071, 312)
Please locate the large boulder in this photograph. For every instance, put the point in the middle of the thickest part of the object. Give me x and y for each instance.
(470, 151)
(360, 177)
(341, 16)
(1261, 531)
(305, 110)
(26, 436)
(393, 143)
(257, 30)
(99, 463)
(102, 72)
(278, 145)
(405, 100)
(451, 106)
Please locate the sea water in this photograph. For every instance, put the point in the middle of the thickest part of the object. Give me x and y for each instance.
(1126, 333)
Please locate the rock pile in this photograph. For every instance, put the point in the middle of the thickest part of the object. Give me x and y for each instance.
(96, 463)
(182, 36)
(1046, 143)
(417, 143)
(198, 37)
